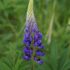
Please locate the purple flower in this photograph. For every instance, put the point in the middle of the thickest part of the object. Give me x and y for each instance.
(37, 36)
(41, 47)
(26, 57)
(27, 50)
(38, 60)
(27, 35)
(27, 39)
(39, 53)
(39, 42)
(32, 38)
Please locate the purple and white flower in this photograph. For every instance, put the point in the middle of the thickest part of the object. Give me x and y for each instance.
(32, 38)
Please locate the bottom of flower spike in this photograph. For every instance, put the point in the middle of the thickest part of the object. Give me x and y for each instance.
(39, 61)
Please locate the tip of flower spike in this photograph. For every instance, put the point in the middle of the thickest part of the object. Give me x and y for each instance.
(30, 10)
(30, 19)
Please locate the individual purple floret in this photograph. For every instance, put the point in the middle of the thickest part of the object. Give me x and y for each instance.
(27, 57)
(39, 53)
(28, 51)
(38, 60)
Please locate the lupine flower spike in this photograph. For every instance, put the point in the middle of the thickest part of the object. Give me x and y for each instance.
(33, 48)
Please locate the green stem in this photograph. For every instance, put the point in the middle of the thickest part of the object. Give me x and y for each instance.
(32, 65)
(33, 58)
(34, 49)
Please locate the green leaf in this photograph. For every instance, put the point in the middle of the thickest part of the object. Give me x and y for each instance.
(3, 66)
(53, 58)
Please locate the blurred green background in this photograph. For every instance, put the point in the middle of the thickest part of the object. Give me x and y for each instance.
(53, 20)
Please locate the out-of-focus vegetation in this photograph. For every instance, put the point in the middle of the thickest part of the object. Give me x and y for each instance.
(53, 20)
